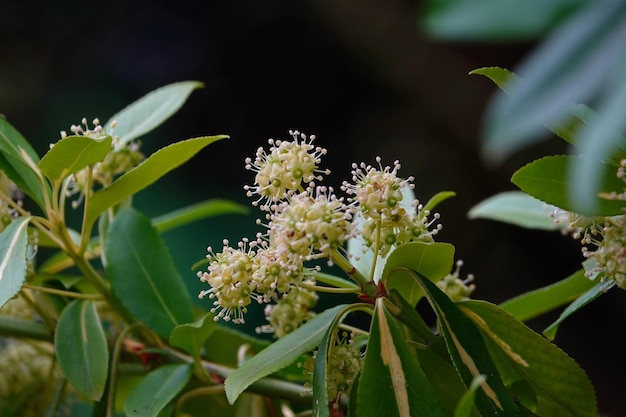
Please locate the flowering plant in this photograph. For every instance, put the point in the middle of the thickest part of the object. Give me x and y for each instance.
(80, 330)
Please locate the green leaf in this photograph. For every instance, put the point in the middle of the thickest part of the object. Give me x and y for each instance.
(596, 291)
(546, 179)
(157, 389)
(81, 348)
(143, 275)
(534, 303)
(502, 77)
(437, 199)
(572, 64)
(150, 111)
(320, 387)
(13, 243)
(392, 382)
(158, 164)
(191, 336)
(516, 208)
(466, 404)
(73, 153)
(199, 211)
(433, 260)
(561, 387)
(493, 20)
(443, 377)
(468, 352)
(280, 353)
(19, 162)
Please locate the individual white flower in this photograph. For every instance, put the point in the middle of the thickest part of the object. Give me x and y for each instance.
(288, 167)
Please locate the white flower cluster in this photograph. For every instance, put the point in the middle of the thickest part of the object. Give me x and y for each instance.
(306, 222)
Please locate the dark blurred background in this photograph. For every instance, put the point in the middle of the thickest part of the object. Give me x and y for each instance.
(358, 74)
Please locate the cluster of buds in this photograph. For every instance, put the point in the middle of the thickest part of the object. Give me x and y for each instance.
(121, 159)
(457, 289)
(289, 312)
(305, 221)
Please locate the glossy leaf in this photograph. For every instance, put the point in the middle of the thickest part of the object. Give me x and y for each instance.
(469, 353)
(13, 242)
(191, 336)
(81, 348)
(150, 111)
(561, 387)
(443, 377)
(569, 67)
(392, 382)
(19, 161)
(546, 179)
(516, 208)
(596, 291)
(280, 353)
(433, 260)
(502, 77)
(493, 20)
(143, 275)
(437, 199)
(537, 302)
(157, 389)
(158, 164)
(73, 153)
(320, 387)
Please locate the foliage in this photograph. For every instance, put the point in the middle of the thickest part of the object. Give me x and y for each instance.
(114, 313)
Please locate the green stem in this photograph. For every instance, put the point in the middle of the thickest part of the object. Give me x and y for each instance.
(17, 327)
(63, 293)
(368, 287)
(331, 290)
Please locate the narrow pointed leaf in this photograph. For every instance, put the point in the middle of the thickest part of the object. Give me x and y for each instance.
(600, 287)
(469, 353)
(157, 389)
(158, 164)
(561, 387)
(502, 77)
(320, 387)
(534, 303)
(150, 111)
(13, 242)
(143, 275)
(433, 260)
(73, 153)
(466, 404)
(81, 348)
(19, 160)
(199, 211)
(437, 199)
(392, 382)
(547, 179)
(191, 336)
(518, 208)
(280, 354)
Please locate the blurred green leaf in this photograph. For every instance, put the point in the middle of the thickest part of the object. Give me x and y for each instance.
(433, 260)
(191, 336)
(437, 199)
(547, 180)
(465, 406)
(392, 382)
(158, 164)
(143, 274)
(537, 302)
(443, 377)
(281, 353)
(19, 161)
(157, 389)
(569, 67)
(562, 389)
(502, 77)
(199, 211)
(494, 20)
(600, 287)
(13, 242)
(518, 208)
(150, 111)
(73, 153)
(81, 348)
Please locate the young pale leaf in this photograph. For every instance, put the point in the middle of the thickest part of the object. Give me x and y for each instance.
(143, 275)
(280, 353)
(469, 353)
(518, 208)
(19, 161)
(150, 111)
(596, 291)
(81, 348)
(73, 153)
(392, 382)
(534, 303)
(158, 164)
(433, 260)
(157, 389)
(547, 179)
(13, 242)
(567, 68)
(500, 76)
(561, 387)
(191, 336)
